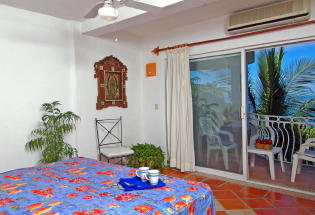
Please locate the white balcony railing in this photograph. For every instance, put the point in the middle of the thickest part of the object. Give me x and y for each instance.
(286, 132)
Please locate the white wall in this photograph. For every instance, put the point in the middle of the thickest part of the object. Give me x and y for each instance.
(35, 59)
(43, 59)
(154, 88)
(88, 50)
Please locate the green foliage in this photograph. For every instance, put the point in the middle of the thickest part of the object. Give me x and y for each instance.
(208, 116)
(280, 89)
(147, 155)
(307, 131)
(49, 136)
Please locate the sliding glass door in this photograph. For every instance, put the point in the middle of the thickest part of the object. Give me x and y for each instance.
(217, 101)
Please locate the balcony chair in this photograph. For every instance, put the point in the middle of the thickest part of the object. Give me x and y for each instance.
(305, 153)
(266, 131)
(110, 145)
(215, 142)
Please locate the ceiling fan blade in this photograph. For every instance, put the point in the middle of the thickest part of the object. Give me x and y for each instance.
(93, 12)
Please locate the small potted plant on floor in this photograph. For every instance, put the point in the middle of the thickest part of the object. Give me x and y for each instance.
(147, 155)
(49, 136)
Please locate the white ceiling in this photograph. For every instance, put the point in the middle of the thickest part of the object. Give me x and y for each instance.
(193, 15)
(141, 17)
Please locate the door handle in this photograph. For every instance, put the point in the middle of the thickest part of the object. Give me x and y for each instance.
(242, 112)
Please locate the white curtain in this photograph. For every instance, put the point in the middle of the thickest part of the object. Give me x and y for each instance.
(180, 142)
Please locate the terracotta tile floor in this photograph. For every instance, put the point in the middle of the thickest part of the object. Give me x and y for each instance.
(237, 199)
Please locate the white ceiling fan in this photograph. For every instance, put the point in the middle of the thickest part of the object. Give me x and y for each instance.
(106, 9)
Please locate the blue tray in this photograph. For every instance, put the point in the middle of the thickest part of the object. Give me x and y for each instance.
(135, 183)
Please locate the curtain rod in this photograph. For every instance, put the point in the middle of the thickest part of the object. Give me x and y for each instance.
(157, 50)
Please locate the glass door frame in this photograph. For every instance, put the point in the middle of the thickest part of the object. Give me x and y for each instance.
(243, 50)
(243, 115)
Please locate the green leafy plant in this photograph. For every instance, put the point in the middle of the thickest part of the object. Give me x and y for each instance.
(147, 155)
(282, 89)
(49, 136)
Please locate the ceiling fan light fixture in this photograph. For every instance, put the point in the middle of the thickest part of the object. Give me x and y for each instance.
(108, 12)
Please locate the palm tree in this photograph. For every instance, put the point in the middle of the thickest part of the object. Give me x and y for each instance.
(282, 90)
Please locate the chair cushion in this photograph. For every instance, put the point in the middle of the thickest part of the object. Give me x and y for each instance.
(310, 153)
(227, 143)
(111, 152)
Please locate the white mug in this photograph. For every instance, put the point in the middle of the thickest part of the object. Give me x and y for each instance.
(143, 171)
(153, 176)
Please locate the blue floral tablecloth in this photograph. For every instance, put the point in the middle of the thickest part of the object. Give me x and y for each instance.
(83, 186)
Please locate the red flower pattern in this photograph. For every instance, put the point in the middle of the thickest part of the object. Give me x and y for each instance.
(193, 182)
(50, 174)
(104, 194)
(82, 188)
(180, 205)
(75, 163)
(191, 208)
(192, 188)
(209, 211)
(14, 177)
(89, 212)
(5, 201)
(143, 208)
(77, 180)
(44, 192)
(108, 173)
(72, 195)
(126, 197)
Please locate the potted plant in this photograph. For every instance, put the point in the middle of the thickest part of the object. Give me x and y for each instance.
(49, 136)
(147, 155)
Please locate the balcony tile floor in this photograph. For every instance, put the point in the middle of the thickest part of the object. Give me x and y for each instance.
(237, 198)
(303, 181)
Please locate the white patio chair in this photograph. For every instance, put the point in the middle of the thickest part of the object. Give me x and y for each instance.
(305, 153)
(215, 142)
(269, 153)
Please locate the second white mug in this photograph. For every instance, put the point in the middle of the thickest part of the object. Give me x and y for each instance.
(142, 173)
(153, 176)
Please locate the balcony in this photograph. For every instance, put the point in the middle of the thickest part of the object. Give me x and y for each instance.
(288, 133)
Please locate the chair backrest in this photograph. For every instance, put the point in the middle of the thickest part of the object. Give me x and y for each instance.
(264, 131)
(108, 132)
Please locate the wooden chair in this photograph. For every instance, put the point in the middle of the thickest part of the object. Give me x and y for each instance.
(110, 145)
(305, 153)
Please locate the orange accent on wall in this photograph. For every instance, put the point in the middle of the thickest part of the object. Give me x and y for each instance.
(151, 69)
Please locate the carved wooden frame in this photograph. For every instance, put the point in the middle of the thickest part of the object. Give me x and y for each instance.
(111, 73)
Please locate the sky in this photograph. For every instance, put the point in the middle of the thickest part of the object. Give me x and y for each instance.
(292, 52)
